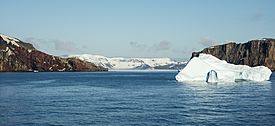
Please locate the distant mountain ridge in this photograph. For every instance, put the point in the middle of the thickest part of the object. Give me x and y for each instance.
(119, 63)
(252, 53)
(16, 55)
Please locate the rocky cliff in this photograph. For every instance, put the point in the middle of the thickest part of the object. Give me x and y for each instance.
(252, 53)
(16, 55)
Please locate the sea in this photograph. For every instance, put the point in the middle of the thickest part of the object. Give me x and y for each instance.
(123, 98)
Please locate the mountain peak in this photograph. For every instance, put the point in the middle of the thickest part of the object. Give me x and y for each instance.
(11, 41)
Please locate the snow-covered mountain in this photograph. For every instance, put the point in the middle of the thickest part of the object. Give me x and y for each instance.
(119, 63)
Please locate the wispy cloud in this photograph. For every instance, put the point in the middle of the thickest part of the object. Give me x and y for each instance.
(156, 47)
(257, 16)
(138, 46)
(66, 46)
(162, 46)
(185, 53)
(206, 42)
(54, 44)
(36, 42)
(45, 45)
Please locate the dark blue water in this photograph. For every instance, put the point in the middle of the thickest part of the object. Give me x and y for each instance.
(131, 98)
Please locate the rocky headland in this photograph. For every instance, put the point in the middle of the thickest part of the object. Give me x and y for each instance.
(16, 56)
(252, 53)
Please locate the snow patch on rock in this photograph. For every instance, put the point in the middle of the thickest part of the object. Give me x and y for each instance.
(9, 40)
(8, 51)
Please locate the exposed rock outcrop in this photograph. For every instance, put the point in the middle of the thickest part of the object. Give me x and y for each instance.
(16, 55)
(253, 53)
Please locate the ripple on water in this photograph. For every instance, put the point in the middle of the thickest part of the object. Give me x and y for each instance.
(132, 99)
(42, 81)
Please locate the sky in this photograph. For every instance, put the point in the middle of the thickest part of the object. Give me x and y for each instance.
(135, 28)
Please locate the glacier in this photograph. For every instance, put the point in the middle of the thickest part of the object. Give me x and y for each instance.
(198, 68)
(120, 63)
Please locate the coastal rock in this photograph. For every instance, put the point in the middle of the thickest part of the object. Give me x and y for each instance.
(16, 55)
(253, 53)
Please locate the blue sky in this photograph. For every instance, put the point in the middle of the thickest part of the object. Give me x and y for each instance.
(135, 28)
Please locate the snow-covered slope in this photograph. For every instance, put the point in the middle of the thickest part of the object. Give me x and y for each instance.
(198, 68)
(119, 63)
(9, 40)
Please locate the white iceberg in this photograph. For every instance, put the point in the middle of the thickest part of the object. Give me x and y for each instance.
(198, 69)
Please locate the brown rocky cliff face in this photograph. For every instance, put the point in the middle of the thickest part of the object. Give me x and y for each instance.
(26, 58)
(252, 53)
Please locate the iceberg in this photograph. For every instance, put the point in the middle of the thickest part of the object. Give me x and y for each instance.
(211, 69)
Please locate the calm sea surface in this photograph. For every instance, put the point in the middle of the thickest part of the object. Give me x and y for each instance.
(131, 98)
